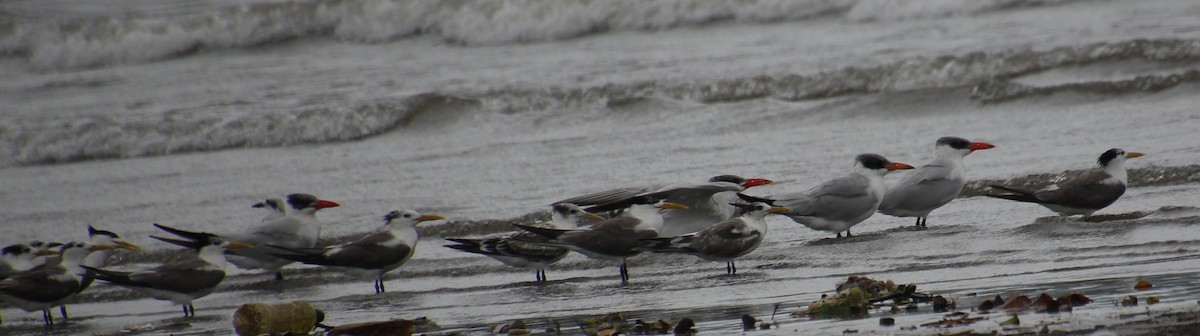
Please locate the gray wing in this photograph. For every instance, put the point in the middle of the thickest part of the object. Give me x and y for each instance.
(609, 196)
(726, 240)
(1088, 191)
(184, 276)
(696, 196)
(841, 198)
(927, 188)
(615, 237)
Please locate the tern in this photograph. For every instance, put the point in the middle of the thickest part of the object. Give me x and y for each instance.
(372, 255)
(14, 259)
(299, 228)
(707, 203)
(510, 249)
(724, 241)
(613, 239)
(840, 203)
(933, 185)
(1083, 194)
(50, 284)
(180, 282)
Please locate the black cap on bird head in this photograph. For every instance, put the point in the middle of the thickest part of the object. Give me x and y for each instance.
(954, 142)
(17, 249)
(301, 201)
(873, 161)
(1110, 155)
(728, 178)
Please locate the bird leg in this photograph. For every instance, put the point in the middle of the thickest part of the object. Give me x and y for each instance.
(185, 314)
(191, 310)
(47, 318)
(848, 233)
(730, 267)
(918, 222)
(278, 275)
(624, 273)
(63, 309)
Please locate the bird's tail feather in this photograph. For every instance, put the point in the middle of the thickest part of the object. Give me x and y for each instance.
(1014, 194)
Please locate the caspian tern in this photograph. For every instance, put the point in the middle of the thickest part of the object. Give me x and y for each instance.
(1083, 194)
(613, 239)
(707, 203)
(180, 282)
(933, 185)
(510, 249)
(299, 228)
(372, 255)
(840, 203)
(724, 241)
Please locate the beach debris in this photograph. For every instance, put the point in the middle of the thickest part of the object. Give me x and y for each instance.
(517, 327)
(887, 321)
(749, 322)
(1143, 285)
(986, 305)
(1076, 299)
(857, 295)
(1012, 321)
(375, 328)
(1017, 302)
(1151, 300)
(941, 305)
(685, 327)
(618, 323)
(660, 327)
(1129, 301)
(296, 317)
(953, 320)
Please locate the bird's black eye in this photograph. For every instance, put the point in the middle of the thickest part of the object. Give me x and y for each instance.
(575, 212)
(407, 215)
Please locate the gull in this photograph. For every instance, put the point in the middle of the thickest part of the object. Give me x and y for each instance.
(724, 241)
(510, 249)
(840, 203)
(933, 185)
(707, 203)
(1083, 194)
(180, 282)
(614, 239)
(372, 255)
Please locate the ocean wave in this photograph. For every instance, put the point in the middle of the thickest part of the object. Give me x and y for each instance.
(989, 74)
(55, 42)
(102, 137)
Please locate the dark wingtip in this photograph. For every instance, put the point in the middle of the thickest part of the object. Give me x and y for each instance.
(183, 243)
(753, 199)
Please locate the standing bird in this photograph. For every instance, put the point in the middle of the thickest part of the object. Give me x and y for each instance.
(1083, 194)
(724, 241)
(14, 259)
(933, 185)
(180, 282)
(707, 203)
(369, 256)
(840, 203)
(50, 284)
(614, 239)
(298, 228)
(511, 251)
(99, 258)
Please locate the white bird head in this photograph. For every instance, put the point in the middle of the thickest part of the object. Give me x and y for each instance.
(570, 216)
(402, 218)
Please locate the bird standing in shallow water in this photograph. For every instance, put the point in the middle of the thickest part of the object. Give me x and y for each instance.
(1083, 194)
(933, 185)
(840, 203)
(372, 255)
(515, 250)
